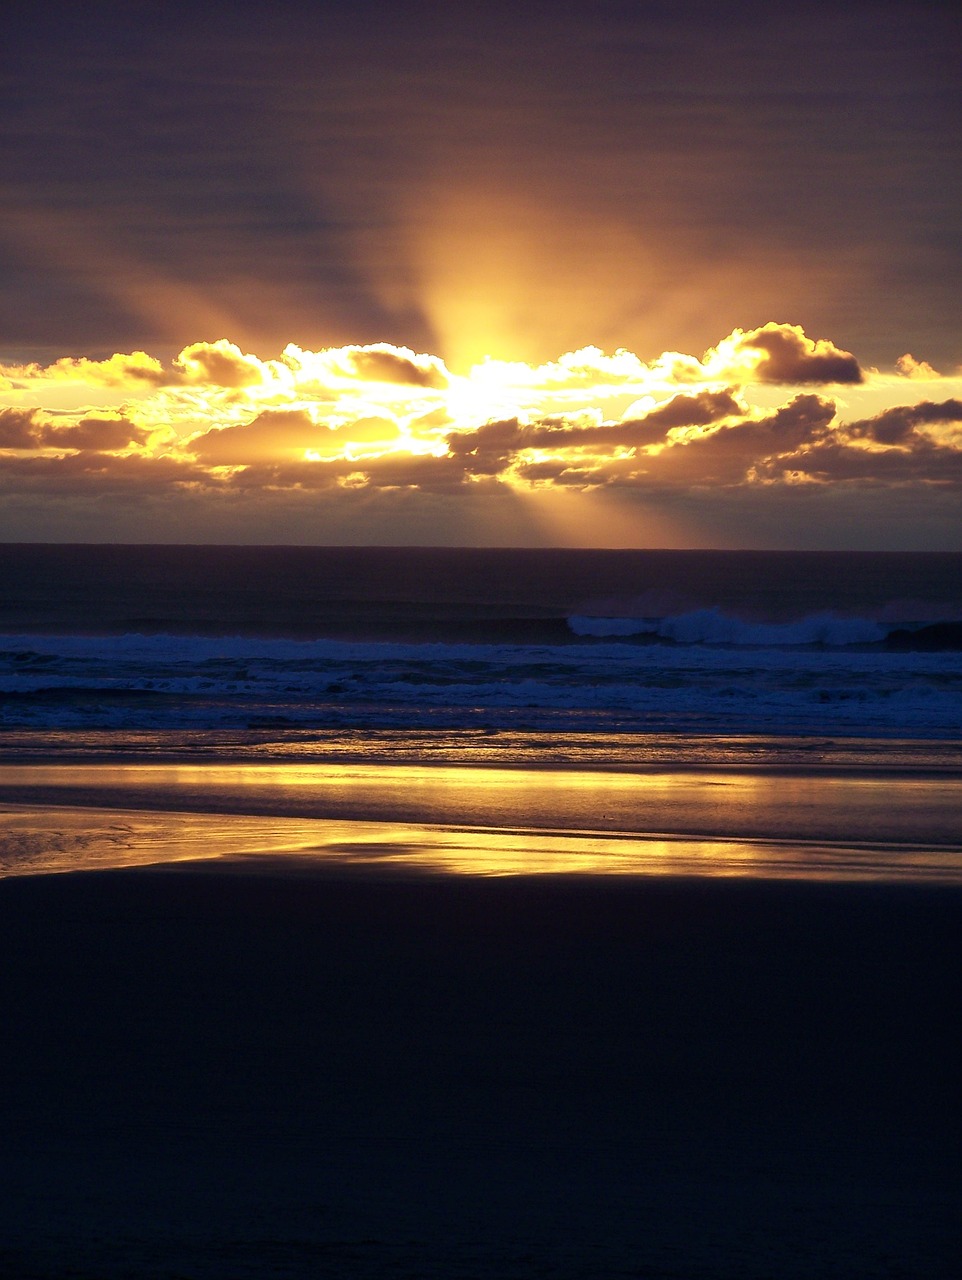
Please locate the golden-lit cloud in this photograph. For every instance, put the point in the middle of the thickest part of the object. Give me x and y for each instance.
(276, 435)
(912, 368)
(782, 354)
(117, 371)
(764, 409)
(220, 364)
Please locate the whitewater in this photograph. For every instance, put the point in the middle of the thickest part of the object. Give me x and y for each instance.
(775, 683)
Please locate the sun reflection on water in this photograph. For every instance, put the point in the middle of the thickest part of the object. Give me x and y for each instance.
(38, 840)
(433, 819)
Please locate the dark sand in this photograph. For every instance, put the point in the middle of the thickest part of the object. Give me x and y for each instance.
(215, 1074)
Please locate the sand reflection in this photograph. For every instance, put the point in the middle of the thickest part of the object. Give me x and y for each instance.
(747, 805)
(56, 839)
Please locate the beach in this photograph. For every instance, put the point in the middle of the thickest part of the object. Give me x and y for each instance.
(478, 914)
(276, 1067)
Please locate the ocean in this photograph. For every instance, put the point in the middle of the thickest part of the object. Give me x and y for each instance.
(296, 679)
(371, 912)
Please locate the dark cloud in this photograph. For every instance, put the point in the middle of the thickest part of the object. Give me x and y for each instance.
(390, 471)
(94, 433)
(271, 477)
(652, 428)
(380, 364)
(836, 462)
(408, 471)
(18, 428)
(565, 475)
(25, 429)
(219, 363)
(488, 449)
(96, 476)
(726, 455)
(693, 410)
(893, 426)
(791, 357)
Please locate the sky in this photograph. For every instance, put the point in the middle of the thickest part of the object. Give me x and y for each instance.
(606, 274)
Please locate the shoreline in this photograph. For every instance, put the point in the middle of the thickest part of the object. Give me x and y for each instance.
(562, 751)
(485, 820)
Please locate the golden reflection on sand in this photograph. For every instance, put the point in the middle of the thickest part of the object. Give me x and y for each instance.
(56, 839)
(713, 806)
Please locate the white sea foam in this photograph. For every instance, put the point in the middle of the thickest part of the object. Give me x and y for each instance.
(614, 684)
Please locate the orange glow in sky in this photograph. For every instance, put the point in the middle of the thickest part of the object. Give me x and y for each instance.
(592, 448)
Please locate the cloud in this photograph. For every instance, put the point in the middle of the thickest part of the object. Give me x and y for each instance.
(729, 453)
(409, 471)
(920, 370)
(584, 369)
(274, 433)
(836, 462)
(389, 471)
(219, 363)
(135, 369)
(685, 441)
(488, 448)
(400, 366)
(223, 364)
(99, 434)
(88, 475)
(26, 429)
(359, 423)
(782, 354)
(890, 449)
(691, 410)
(380, 362)
(281, 433)
(18, 428)
(894, 426)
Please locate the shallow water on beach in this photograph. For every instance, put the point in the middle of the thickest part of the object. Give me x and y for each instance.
(489, 821)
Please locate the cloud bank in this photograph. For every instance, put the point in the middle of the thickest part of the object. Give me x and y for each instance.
(765, 412)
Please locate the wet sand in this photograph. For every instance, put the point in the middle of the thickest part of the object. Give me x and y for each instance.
(351, 1072)
(801, 823)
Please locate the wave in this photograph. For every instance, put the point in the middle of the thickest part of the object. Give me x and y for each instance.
(716, 627)
(700, 679)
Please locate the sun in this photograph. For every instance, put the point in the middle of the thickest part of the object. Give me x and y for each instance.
(487, 393)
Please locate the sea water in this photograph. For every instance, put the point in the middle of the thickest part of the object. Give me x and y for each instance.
(833, 680)
(566, 642)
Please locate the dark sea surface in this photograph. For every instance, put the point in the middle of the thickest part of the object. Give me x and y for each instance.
(469, 594)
